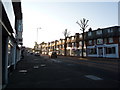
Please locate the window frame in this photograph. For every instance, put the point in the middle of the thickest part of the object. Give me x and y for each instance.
(110, 40)
(101, 40)
(89, 33)
(90, 42)
(98, 32)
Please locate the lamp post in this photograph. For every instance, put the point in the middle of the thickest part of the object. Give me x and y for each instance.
(37, 33)
(37, 38)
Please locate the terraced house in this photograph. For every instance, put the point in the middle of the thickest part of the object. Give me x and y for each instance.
(103, 42)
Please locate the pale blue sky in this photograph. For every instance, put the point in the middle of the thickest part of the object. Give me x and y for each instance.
(55, 17)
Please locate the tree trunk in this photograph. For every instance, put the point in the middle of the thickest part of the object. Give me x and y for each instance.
(83, 44)
(65, 46)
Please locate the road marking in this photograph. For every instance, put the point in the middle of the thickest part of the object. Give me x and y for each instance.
(35, 59)
(42, 65)
(22, 71)
(70, 64)
(36, 67)
(56, 60)
(93, 77)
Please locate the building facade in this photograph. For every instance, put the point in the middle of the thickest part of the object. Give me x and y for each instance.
(11, 27)
(103, 42)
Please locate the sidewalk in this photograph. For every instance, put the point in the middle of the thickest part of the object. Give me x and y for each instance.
(97, 59)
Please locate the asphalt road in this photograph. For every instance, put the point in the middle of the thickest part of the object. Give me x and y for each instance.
(63, 72)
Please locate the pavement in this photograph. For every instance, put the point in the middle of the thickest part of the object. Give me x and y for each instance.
(38, 72)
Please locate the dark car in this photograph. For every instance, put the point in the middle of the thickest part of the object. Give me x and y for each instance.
(37, 54)
(54, 55)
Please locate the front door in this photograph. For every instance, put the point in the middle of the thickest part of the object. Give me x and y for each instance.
(100, 51)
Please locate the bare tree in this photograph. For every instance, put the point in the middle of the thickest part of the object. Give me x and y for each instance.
(66, 34)
(83, 25)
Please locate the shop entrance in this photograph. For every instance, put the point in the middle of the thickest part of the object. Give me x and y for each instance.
(100, 51)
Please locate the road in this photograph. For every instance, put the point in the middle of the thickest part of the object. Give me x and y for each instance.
(63, 72)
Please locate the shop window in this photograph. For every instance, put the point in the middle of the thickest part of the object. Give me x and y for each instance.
(99, 41)
(9, 55)
(110, 40)
(110, 50)
(92, 51)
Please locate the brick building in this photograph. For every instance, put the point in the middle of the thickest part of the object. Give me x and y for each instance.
(103, 42)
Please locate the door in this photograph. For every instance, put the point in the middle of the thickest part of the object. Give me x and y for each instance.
(100, 51)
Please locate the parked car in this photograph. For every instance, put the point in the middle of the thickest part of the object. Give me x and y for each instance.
(31, 53)
(53, 55)
(37, 54)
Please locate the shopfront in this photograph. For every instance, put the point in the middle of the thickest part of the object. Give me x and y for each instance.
(106, 50)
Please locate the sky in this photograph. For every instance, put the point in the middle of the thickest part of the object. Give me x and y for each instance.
(52, 18)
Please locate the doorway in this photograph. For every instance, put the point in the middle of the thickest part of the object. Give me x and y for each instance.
(100, 51)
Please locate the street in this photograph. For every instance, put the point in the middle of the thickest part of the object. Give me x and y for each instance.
(63, 72)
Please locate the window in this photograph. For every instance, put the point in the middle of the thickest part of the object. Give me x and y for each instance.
(110, 50)
(110, 40)
(62, 46)
(99, 41)
(90, 42)
(80, 43)
(92, 51)
(110, 30)
(19, 25)
(73, 44)
(80, 35)
(72, 38)
(105, 40)
(94, 41)
(99, 32)
(119, 29)
(89, 33)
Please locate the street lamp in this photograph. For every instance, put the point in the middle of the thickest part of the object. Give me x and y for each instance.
(37, 40)
(37, 33)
